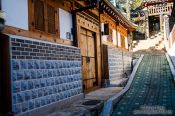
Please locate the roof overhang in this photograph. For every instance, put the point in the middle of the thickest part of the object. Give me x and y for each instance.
(112, 11)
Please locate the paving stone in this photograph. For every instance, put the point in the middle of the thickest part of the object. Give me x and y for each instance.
(153, 90)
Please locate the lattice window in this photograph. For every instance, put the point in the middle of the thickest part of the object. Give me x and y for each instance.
(39, 15)
(44, 17)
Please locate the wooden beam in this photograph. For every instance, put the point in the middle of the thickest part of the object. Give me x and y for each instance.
(84, 8)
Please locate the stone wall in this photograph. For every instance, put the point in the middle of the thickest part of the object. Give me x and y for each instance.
(119, 63)
(43, 73)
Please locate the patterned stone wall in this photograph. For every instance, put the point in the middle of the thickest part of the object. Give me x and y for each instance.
(43, 73)
(119, 63)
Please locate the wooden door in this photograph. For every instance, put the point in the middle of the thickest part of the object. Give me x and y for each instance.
(87, 46)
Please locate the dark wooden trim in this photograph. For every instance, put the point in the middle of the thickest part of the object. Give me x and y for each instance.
(74, 30)
(105, 62)
(5, 75)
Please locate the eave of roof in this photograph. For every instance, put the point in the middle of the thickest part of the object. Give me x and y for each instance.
(123, 20)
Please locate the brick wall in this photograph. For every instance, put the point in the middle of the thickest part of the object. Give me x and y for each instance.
(43, 73)
(119, 63)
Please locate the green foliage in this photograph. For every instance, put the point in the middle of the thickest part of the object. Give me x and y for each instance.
(135, 4)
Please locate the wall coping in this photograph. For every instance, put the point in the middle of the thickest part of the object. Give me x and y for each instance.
(37, 40)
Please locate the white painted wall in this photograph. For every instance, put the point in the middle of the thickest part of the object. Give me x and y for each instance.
(119, 39)
(65, 21)
(126, 42)
(16, 13)
(114, 36)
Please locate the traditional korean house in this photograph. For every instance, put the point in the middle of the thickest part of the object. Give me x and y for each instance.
(115, 30)
(52, 51)
(40, 66)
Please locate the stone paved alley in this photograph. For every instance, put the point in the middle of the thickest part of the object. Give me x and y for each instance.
(152, 91)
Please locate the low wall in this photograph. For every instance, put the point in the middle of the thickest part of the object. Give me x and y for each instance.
(43, 74)
(118, 65)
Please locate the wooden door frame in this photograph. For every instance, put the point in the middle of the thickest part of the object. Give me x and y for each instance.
(94, 34)
(82, 22)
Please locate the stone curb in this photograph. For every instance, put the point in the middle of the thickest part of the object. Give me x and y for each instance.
(171, 65)
(108, 106)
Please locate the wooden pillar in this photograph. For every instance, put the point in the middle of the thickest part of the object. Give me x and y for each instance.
(147, 24)
(161, 22)
(5, 75)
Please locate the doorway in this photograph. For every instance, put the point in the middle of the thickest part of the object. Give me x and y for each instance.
(88, 48)
(154, 25)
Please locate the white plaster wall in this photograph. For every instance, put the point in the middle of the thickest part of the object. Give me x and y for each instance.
(65, 21)
(119, 39)
(114, 36)
(16, 13)
(126, 42)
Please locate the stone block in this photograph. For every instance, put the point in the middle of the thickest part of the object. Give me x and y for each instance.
(15, 65)
(31, 104)
(55, 89)
(30, 84)
(39, 74)
(45, 73)
(61, 80)
(20, 75)
(40, 92)
(27, 75)
(54, 73)
(36, 64)
(50, 90)
(59, 72)
(34, 94)
(53, 98)
(43, 82)
(23, 64)
(17, 87)
(30, 64)
(46, 92)
(48, 99)
(61, 96)
(14, 99)
(24, 106)
(57, 81)
(17, 108)
(48, 82)
(48, 65)
(37, 83)
(33, 74)
(57, 97)
(20, 97)
(14, 76)
(42, 65)
(53, 65)
(43, 101)
(50, 73)
(24, 85)
(27, 95)
(37, 103)
(59, 88)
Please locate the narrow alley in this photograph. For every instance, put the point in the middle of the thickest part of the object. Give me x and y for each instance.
(152, 91)
(87, 57)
